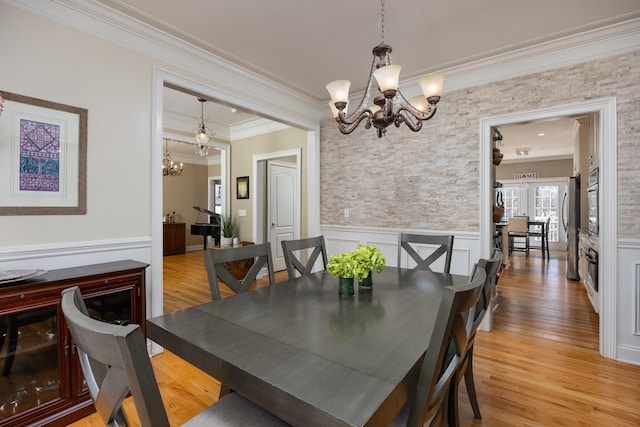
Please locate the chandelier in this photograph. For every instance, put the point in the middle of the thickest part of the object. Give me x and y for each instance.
(390, 106)
(169, 167)
(203, 139)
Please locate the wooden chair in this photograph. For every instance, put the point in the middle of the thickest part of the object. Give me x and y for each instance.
(518, 229)
(542, 233)
(427, 405)
(465, 370)
(444, 246)
(115, 362)
(293, 262)
(216, 258)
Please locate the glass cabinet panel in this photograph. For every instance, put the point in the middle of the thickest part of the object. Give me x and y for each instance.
(114, 307)
(29, 360)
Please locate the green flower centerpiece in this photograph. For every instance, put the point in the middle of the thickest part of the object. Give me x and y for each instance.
(357, 264)
(367, 259)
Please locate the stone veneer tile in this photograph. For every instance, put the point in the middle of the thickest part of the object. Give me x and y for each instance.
(430, 179)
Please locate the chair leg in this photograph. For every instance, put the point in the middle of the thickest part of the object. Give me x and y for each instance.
(471, 386)
(453, 420)
(224, 390)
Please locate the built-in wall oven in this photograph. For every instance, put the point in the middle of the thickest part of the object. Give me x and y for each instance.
(592, 198)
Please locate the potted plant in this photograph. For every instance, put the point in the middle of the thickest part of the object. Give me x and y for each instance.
(227, 227)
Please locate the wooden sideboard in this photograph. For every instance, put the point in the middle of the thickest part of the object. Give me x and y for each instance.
(173, 238)
(42, 382)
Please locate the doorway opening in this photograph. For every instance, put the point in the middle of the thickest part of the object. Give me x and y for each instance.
(605, 112)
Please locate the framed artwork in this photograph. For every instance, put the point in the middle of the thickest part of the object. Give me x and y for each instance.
(43, 157)
(242, 187)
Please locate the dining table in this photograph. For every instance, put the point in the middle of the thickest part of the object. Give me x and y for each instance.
(310, 356)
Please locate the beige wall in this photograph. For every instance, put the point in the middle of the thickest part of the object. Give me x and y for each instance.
(242, 152)
(430, 179)
(59, 64)
(545, 169)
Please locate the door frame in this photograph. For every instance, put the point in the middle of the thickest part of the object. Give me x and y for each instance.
(605, 110)
(259, 187)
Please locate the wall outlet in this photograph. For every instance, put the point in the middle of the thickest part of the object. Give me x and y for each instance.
(242, 212)
(346, 212)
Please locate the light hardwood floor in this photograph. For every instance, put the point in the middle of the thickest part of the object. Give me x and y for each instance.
(539, 366)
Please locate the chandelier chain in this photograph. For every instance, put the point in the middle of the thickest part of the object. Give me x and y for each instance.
(382, 20)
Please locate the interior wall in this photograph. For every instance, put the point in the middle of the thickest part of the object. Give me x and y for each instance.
(544, 168)
(242, 152)
(422, 180)
(58, 64)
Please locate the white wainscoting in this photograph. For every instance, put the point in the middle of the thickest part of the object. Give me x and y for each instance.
(627, 301)
(466, 245)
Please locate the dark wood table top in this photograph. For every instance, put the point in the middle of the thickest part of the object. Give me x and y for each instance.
(308, 355)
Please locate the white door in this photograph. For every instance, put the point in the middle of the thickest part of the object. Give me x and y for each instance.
(282, 189)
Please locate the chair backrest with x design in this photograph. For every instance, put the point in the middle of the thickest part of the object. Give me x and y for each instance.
(114, 362)
(443, 247)
(294, 263)
(216, 270)
(446, 348)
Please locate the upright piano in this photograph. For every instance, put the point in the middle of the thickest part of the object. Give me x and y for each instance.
(204, 229)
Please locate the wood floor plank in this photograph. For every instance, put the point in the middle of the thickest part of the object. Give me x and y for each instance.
(539, 366)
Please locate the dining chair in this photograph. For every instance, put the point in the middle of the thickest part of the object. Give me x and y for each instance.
(428, 403)
(518, 229)
(465, 370)
(115, 362)
(443, 247)
(216, 262)
(294, 263)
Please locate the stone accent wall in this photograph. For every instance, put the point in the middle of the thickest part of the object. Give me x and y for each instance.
(430, 179)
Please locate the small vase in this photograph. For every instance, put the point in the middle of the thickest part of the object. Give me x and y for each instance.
(226, 241)
(345, 287)
(366, 283)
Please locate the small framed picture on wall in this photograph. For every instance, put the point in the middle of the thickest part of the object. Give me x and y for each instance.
(242, 187)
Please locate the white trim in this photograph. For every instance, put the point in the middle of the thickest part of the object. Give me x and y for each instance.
(606, 109)
(284, 103)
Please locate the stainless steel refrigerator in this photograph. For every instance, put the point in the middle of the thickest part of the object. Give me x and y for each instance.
(571, 223)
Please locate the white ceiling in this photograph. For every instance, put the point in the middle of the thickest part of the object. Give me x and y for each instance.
(304, 44)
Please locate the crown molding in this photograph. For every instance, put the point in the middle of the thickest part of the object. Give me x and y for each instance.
(255, 128)
(234, 84)
(247, 89)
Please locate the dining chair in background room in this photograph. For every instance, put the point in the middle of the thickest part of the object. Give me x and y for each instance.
(294, 263)
(428, 404)
(518, 229)
(465, 370)
(115, 362)
(216, 270)
(541, 233)
(443, 247)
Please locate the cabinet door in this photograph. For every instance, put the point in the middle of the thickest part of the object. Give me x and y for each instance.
(31, 361)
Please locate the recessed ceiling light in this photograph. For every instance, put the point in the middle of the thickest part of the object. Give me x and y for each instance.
(541, 134)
